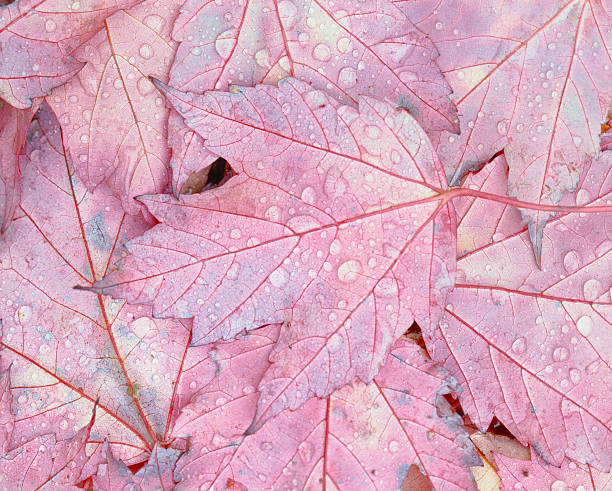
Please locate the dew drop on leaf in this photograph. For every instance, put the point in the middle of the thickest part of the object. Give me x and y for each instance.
(519, 345)
(585, 325)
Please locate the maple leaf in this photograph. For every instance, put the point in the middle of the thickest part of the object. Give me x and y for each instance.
(14, 125)
(66, 348)
(531, 78)
(361, 437)
(367, 48)
(113, 119)
(338, 229)
(529, 345)
(37, 38)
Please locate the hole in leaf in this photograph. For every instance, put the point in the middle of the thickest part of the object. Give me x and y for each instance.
(497, 428)
(414, 333)
(208, 178)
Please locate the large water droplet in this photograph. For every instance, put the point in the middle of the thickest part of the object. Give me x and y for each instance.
(592, 289)
(279, 277)
(585, 325)
(571, 261)
(321, 52)
(575, 375)
(349, 271)
(502, 126)
(309, 195)
(347, 77)
(558, 486)
(225, 44)
(560, 353)
(146, 51)
(23, 314)
(519, 345)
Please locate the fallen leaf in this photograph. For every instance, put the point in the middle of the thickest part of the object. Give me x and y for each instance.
(531, 78)
(368, 48)
(68, 349)
(37, 39)
(112, 117)
(530, 345)
(301, 236)
(361, 437)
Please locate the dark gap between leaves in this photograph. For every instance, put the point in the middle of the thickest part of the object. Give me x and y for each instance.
(210, 177)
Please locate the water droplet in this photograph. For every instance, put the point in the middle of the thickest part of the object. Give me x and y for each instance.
(235, 233)
(349, 271)
(558, 486)
(502, 126)
(347, 77)
(335, 247)
(262, 57)
(519, 345)
(582, 197)
(575, 375)
(287, 11)
(439, 26)
(321, 52)
(393, 446)
(225, 43)
(334, 343)
(192, 384)
(571, 261)
(592, 289)
(560, 354)
(585, 325)
(279, 277)
(50, 26)
(309, 195)
(146, 51)
(344, 45)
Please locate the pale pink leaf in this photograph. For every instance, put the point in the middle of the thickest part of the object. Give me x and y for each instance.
(14, 125)
(537, 474)
(46, 462)
(37, 40)
(368, 48)
(113, 119)
(68, 348)
(336, 229)
(531, 346)
(361, 437)
(218, 387)
(530, 77)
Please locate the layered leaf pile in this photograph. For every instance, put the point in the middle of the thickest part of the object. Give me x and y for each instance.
(305, 244)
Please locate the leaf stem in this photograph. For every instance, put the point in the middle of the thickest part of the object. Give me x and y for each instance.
(457, 192)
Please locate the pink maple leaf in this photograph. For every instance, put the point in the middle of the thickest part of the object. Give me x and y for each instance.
(67, 348)
(37, 38)
(532, 78)
(336, 229)
(361, 437)
(530, 345)
(370, 48)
